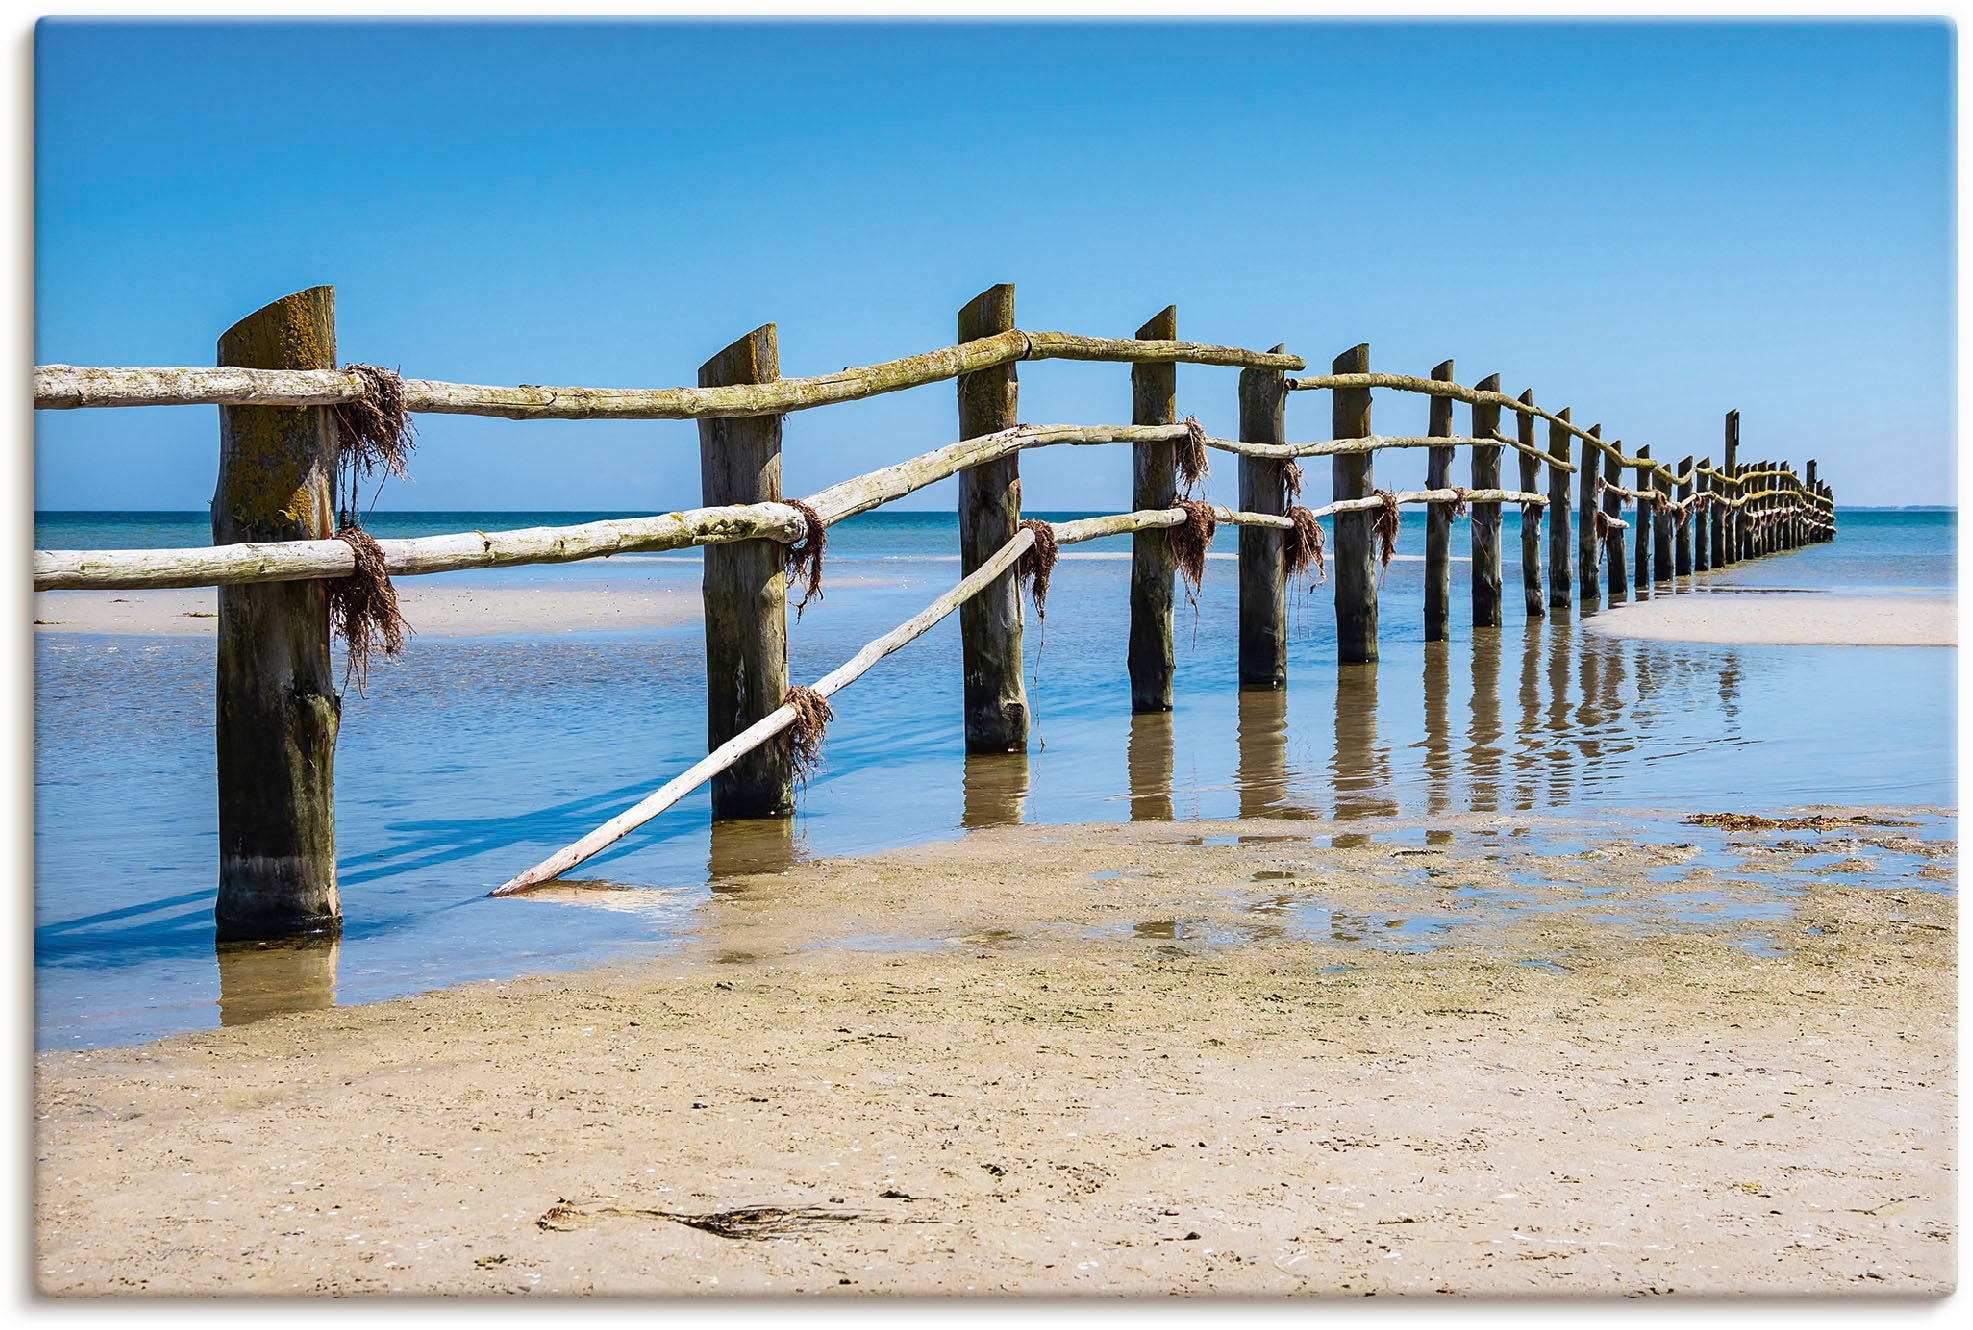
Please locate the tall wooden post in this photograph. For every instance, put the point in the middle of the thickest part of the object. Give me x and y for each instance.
(276, 708)
(1263, 578)
(1613, 509)
(1662, 561)
(1811, 533)
(1558, 512)
(1641, 532)
(1438, 517)
(1702, 518)
(1530, 517)
(1682, 539)
(989, 515)
(1758, 534)
(1589, 551)
(1153, 485)
(1352, 476)
(1485, 517)
(745, 591)
(1729, 543)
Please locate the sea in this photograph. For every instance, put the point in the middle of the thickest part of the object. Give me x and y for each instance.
(469, 759)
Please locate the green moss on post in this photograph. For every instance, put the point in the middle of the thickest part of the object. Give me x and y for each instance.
(276, 709)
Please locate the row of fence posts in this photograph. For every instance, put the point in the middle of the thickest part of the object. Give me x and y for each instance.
(278, 710)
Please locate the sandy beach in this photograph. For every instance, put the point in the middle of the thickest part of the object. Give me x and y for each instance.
(1784, 617)
(1126, 1058)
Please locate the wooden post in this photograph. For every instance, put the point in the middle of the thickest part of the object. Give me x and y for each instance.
(1810, 534)
(989, 514)
(1757, 533)
(1485, 518)
(1662, 561)
(1352, 476)
(1153, 485)
(1613, 509)
(1641, 528)
(1588, 549)
(1530, 518)
(1558, 513)
(1729, 545)
(275, 702)
(1702, 519)
(1438, 517)
(1682, 535)
(745, 591)
(1263, 578)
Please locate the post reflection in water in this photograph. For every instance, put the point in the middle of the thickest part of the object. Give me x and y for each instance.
(1483, 751)
(262, 979)
(741, 846)
(1361, 770)
(1561, 651)
(1263, 775)
(995, 789)
(1149, 760)
(1526, 756)
(1438, 746)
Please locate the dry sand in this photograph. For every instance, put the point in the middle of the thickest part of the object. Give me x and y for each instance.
(1780, 617)
(1149, 1058)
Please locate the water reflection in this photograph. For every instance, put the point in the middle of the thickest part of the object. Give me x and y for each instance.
(262, 979)
(1483, 751)
(1149, 760)
(741, 846)
(995, 789)
(1263, 776)
(1360, 772)
(1437, 746)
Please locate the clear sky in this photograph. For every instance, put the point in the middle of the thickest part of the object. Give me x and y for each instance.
(1651, 223)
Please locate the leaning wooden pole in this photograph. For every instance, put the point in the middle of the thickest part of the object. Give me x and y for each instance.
(1485, 519)
(1263, 576)
(1589, 550)
(1618, 576)
(745, 589)
(996, 700)
(1438, 517)
(1153, 484)
(1352, 476)
(1530, 516)
(1641, 574)
(1559, 577)
(276, 708)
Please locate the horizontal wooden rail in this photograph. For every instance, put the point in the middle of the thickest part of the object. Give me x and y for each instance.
(68, 387)
(1375, 443)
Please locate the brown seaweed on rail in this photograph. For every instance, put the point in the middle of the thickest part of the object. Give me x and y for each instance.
(802, 559)
(374, 430)
(1037, 563)
(1189, 541)
(363, 606)
(1385, 526)
(1301, 544)
(1190, 455)
(1457, 508)
(812, 717)
(1291, 482)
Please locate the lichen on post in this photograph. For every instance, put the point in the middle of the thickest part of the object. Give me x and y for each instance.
(996, 700)
(745, 589)
(1263, 574)
(276, 710)
(1153, 486)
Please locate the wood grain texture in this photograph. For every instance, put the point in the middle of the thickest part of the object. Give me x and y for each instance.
(1438, 518)
(276, 710)
(1641, 573)
(996, 703)
(1263, 576)
(1616, 571)
(1485, 517)
(1560, 580)
(745, 590)
(1682, 551)
(1352, 476)
(1536, 602)
(1153, 485)
(1589, 550)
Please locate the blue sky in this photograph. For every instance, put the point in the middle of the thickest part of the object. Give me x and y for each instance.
(1651, 223)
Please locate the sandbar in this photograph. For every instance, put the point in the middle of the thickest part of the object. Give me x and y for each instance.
(1779, 617)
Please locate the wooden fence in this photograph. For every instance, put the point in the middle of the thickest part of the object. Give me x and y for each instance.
(276, 556)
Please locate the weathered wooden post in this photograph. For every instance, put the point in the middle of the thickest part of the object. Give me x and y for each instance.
(1352, 476)
(1640, 578)
(1530, 517)
(1263, 576)
(1702, 519)
(1759, 532)
(1682, 538)
(1153, 485)
(989, 515)
(1588, 549)
(1438, 517)
(1811, 533)
(1485, 517)
(1734, 547)
(1558, 511)
(745, 590)
(275, 703)
(1662, 560)
(1724, 549)
(1613, 510)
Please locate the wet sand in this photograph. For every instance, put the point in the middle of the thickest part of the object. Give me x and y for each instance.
(1139, 1058)
(1763, 616)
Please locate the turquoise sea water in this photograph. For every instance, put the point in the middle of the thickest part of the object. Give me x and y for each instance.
(473, 758)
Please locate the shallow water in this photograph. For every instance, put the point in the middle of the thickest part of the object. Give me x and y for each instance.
(473, 758)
